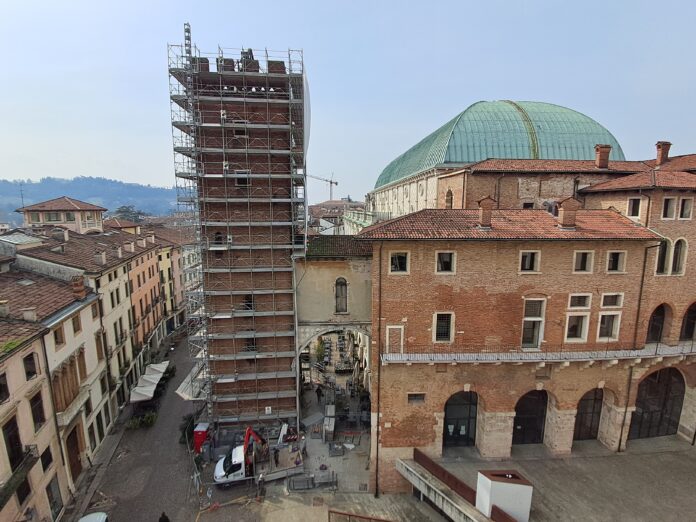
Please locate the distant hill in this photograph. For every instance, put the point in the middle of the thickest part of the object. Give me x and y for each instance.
(108, 193)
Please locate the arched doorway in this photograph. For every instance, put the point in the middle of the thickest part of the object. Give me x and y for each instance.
(530, 418)
(658, 405)
(656, 325)
(588, 415)
(689, 324)
(460, 419)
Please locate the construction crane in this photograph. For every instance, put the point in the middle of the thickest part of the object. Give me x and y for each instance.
(331, 183)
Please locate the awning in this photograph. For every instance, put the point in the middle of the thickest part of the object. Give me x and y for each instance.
(145, 389)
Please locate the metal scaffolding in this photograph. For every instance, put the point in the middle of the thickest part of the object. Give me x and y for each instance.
(238, 125)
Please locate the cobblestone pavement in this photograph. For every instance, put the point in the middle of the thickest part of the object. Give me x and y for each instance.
(149, 471)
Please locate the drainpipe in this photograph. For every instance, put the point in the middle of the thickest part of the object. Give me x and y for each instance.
(378, 366)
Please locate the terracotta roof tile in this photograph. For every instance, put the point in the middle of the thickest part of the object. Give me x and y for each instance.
(549, 165)
(61, 203)
(27, 289)
(647, 180)
(685, 162)
(80, 249)
(519, 224)
(120, 223)
(14, 333)
(338, 246)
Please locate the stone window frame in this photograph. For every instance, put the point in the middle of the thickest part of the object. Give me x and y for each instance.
(634, 217)
(668, 258)
(691, 209)
(579, 308)
(537, 262)
(408, 262)
(683, 254)
(451, 327)
(454, 262)
(400, 328)
(415, 398)
(591, 261)
(585, 327)
(540, 319)
(612, 307)
(617, 326)
(622, 269)
(675, 203)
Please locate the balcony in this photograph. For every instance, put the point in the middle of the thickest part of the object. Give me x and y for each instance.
(567, 353)
(66, 416)
(10, 485)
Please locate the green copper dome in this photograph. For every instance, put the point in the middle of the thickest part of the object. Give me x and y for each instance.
(504, 130)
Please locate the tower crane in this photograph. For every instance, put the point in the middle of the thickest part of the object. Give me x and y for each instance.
(331, 183)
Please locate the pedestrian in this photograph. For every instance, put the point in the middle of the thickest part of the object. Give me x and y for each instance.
(260, 492)
(276, 456)
(303, 445)
(319, 394)
(163, 517)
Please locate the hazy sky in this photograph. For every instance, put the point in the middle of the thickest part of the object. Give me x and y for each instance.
(84, 87)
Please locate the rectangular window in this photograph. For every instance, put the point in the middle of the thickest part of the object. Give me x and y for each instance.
(103, 385)
(662, 252)
(533, 323)
(616, 262)
(92, 439)
(686, 206)
(608, 326)
(579, 300)
(76, 324)
(55, 501)
(58, 336)
(583, 262)
(70, 216)
(30, 369)
(82, 365)
(634, 207)
(4, 388)
(46, 458)
(528, 205)
(100, 347)
(445, 263)
(443, 328)
(88, 405)
(113, 300)
(37, 411)
(23, 491)
(95, 311)
(398, 263)
(34, 217)
(576, 327)
(395, 339)
(612, 300)
(669, 206)
(416, 398)
(529, 261)
(53, 216)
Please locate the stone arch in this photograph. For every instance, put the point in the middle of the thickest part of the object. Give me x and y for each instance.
(341, 295)
(530, 417)
(449, 199)
(679, 253)
(659, 401)
(688, 326)
(310, 333)
(659, 324)
(460, 419)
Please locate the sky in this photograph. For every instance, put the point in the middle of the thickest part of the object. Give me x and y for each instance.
(85, 88)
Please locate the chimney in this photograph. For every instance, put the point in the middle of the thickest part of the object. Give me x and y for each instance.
(119, 252)
(59, 234)
(29, 314)
(78, 287)
(130, 246)
(100, 257)
(485, 212)
(567, 210)
(662, 152)
(151, 238)
(141, 242)
(602, 156)
(4, 308)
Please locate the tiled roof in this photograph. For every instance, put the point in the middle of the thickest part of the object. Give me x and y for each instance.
(61, 203)
(120, 223)
(685, 162)
(516, 224)
(14, 333)
(647, 180)
(6, 259)
(27, 289)
(551, 165)
(338, 246)
(178, 236)
(79, 251)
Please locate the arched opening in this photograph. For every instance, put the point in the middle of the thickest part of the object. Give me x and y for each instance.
(678, 256)
(688, 324)
(341, 293)
(662, 263)
(656, 325)
(588, 415)
(530, 418)
(658, 405)
(449, 199)
(460, 419)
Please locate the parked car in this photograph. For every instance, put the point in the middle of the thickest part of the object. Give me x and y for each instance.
(99, 516)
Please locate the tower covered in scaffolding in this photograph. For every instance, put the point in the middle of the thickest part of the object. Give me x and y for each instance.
(238, 121)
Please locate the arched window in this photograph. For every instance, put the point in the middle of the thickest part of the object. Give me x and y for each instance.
(662, 262)
(448, 199)
(341, 296)
(678, 256)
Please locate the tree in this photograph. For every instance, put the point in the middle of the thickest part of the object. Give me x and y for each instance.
(130, 213)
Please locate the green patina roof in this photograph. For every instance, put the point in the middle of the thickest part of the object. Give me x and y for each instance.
(504, 130)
